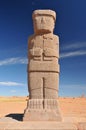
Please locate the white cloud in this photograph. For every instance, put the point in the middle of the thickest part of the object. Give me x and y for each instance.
(74, 86)
(76, 45)
(72, 54)
(18, 60)
(11, 84)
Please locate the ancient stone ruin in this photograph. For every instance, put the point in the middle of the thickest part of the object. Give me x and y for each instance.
(43, 69)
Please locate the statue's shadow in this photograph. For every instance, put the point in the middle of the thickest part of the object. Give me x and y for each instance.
(15, 116)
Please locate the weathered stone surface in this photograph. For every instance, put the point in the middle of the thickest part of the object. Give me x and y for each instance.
(44, 21)
(41, 125)
(82, 126)
(43, 69)
(41, 110)
(35, 66)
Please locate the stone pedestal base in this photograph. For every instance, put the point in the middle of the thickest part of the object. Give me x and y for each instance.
(42, 110)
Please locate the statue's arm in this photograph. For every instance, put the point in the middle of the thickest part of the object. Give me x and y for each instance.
(53, 51)
(33, 51)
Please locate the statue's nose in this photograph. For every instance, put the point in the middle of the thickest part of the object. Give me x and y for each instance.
(43, 20)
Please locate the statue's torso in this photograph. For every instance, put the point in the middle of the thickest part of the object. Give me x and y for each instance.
(43, 52)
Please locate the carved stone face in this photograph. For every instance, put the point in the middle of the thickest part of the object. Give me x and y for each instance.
(43, 24)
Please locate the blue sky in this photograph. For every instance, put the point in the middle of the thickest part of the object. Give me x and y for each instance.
(15, 28)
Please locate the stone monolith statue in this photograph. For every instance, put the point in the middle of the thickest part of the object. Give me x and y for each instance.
(43, 69)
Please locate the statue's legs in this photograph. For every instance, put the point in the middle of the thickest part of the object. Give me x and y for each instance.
(43, 103)
(35, 86)
(51, 81)
(43, 85)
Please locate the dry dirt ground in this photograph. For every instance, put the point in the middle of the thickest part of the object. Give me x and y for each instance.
(70, 107)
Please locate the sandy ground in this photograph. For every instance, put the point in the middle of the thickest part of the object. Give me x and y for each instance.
(70, 107)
